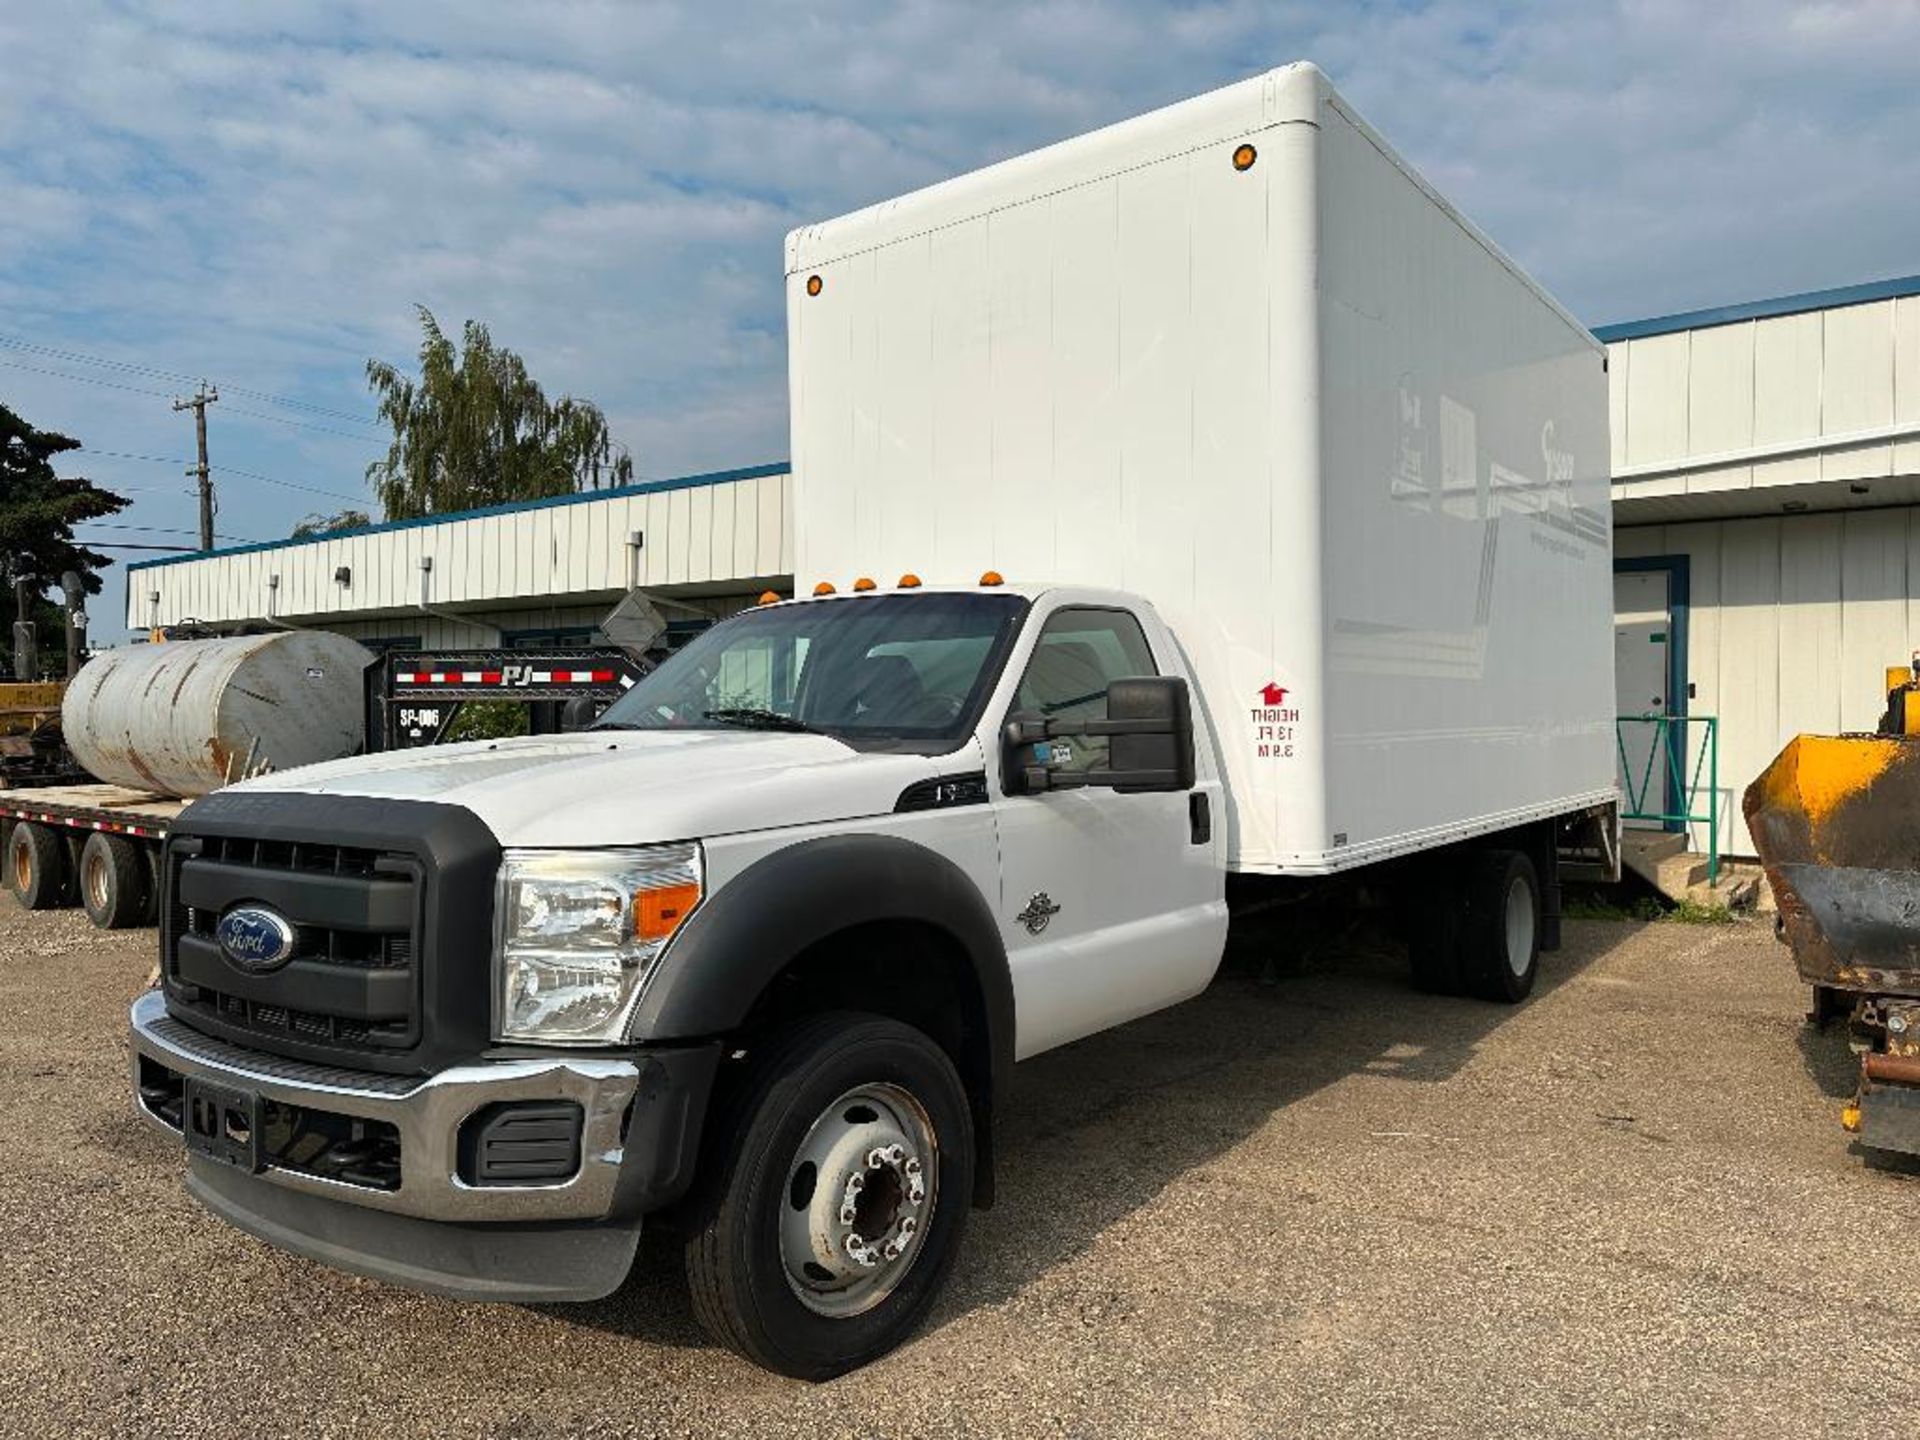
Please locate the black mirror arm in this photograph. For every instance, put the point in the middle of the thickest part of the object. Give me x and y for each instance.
(1040, 777)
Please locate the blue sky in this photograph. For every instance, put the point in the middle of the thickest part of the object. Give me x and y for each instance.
(259, 192)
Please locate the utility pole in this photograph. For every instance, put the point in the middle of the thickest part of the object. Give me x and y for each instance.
(198, 404)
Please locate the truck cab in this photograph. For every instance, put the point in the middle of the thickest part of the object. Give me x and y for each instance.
(759, 947)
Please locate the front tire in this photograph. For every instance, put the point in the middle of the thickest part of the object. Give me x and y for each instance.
(840, 1199)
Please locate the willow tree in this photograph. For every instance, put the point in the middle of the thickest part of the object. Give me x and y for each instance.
(473, 428)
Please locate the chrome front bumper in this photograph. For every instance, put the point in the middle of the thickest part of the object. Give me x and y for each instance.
(427, 1113)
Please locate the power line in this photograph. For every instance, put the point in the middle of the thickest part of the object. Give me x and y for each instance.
(160, 530)
(130, 367)
(86, 379)
(229, 470)
(123, 455)
(298, 424)
(124, 545)
(289, 485)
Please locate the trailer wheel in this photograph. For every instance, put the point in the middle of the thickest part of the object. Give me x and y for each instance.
(1500, 951)
(837, 1207)
(113, 882)
(37, 868)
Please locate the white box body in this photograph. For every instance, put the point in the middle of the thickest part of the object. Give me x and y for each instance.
(1344, 446)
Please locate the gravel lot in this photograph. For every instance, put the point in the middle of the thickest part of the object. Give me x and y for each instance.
(1311, 1201)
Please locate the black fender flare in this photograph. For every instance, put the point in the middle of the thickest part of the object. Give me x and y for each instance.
(747, 932)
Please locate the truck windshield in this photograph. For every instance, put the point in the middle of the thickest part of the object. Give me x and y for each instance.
(902, 672)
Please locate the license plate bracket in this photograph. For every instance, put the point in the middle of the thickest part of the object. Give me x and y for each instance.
(223, 1123)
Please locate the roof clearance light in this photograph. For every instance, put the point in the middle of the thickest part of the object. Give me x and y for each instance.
(769, 597)
(909, 581)
(825, 587)
(815, 284)
(1244, 156)
(864, 583)
(993, 577)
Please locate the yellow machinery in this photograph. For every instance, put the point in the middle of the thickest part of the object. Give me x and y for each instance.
(1836, 819)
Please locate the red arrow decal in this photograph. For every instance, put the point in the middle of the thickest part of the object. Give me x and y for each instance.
(1273, 694)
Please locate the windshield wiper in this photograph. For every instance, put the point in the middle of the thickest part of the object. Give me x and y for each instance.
(749, 718)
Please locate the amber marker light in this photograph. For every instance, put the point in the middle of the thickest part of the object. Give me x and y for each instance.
(993, 577)
(657, 913)
(815, 284)
(1243, 157)
(768, 597)
(909, 581)
(825, 587)
(864, 584)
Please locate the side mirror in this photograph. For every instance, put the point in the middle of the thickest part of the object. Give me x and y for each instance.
(1149, 726)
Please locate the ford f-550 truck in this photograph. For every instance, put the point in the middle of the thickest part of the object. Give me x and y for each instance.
(1301, 486)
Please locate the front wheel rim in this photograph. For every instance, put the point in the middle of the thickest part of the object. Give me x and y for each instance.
(1519, 926)
(859, 1197)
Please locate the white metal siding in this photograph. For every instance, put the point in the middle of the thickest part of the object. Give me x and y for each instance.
(730, 531)
(1792, 621)
(1836, 390)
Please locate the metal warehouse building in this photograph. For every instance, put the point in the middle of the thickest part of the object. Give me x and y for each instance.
(519, 575)
(1766, 497)
(1766, 504)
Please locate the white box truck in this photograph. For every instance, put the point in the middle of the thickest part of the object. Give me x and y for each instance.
(1198, 501)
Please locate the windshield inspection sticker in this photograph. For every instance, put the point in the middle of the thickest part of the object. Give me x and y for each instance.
(1274, 721)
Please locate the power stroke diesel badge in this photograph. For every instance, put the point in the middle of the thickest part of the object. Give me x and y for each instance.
(254, 938)
(1040, 909)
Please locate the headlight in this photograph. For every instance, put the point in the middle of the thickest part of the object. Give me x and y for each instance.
(577, 934)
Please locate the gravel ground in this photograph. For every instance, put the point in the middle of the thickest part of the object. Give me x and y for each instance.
(1310, 1201)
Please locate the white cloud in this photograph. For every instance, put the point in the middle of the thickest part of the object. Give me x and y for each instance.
(261, 193)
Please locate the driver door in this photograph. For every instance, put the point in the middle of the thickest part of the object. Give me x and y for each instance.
(1112, 905)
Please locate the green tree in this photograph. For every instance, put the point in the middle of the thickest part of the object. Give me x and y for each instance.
(475, 429)
(318, 524)
(38, 510)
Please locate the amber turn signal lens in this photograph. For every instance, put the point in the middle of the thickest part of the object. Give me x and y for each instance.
(1243, 158)
(993, 577)
(825, 587)
(909, 581)
(658, 913)
(815, 284)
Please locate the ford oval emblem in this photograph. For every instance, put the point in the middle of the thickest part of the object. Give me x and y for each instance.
(254, 938)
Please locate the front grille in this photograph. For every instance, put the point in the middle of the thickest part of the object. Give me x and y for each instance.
(351, 982)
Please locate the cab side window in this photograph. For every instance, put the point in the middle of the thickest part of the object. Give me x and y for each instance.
(1079, 654)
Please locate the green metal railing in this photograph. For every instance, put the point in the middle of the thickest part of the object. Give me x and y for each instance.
(1678, 766)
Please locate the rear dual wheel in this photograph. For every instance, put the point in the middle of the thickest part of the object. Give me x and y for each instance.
(116, 882)
(839, 1203)
(1477, 927)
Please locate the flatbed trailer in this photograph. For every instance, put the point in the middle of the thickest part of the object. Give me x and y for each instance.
(95, 843)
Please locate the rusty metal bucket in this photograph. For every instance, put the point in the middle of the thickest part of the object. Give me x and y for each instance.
(1836, 819)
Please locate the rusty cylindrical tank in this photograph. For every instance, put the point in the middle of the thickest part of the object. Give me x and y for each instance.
(189, 716)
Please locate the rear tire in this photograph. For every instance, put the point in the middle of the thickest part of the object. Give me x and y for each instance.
(1500, 949)
(113, 882)
(37, 870)
(822, 1100)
